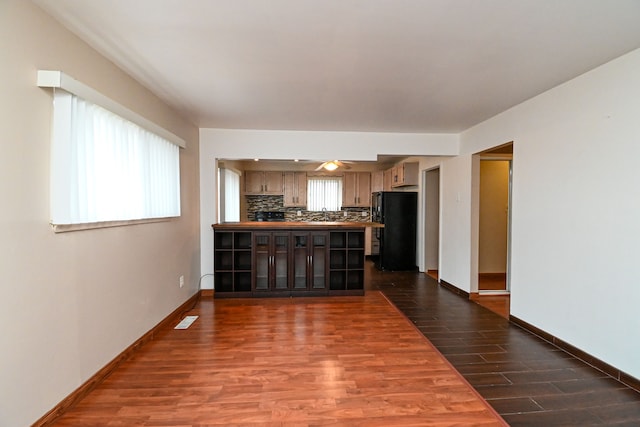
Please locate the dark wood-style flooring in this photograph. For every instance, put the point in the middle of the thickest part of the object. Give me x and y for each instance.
(526, 379)
(499, 304)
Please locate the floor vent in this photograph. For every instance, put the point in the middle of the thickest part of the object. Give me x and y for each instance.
(186, 322)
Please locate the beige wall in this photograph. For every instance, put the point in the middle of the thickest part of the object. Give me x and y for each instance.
(494, 204)
(71, 302)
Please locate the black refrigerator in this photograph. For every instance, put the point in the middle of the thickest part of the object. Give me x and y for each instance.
(398, 211)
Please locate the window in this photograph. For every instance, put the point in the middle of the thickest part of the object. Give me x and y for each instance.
(324, 193)
(229, 193)
(105, 168)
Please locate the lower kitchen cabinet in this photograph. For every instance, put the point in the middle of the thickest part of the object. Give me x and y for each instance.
(309, 262)
(233, 260)
(346, 261)
(280, 262)
(271, 265)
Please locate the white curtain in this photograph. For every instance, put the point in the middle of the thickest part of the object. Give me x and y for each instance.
(324, 193)
(105, 168)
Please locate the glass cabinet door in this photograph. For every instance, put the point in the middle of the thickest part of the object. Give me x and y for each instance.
(271, 261)
(262, 260)
(300, 260)
(319, 260)
(279, 261)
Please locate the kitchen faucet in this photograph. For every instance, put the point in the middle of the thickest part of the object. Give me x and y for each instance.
(324, 210)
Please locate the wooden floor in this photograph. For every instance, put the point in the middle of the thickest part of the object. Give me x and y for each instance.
(492, 281)
(526, 379)
(499, 304)
(353, 361)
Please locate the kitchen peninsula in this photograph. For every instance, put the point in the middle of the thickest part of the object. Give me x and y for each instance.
(283, 259)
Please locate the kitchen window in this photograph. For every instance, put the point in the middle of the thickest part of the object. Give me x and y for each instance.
(324, 193)
(229, 195)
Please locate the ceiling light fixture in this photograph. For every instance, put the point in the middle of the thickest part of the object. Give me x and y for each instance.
(331, 166)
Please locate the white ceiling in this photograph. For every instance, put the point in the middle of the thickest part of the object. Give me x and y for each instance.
(355, 65)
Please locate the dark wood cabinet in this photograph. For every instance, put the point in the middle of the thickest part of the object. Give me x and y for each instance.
(271, 261)
(233, 261)
(311, 261)
(346, 261)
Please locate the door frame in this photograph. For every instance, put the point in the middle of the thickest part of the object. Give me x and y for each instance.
(494, 153)
(427, 209)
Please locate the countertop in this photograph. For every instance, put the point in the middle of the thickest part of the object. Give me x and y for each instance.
(297, 224)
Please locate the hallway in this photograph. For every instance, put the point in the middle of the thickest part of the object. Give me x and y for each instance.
(527, 380)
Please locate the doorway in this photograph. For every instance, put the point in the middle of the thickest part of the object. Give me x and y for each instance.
(493, 225)
(431, 184)
(494, 186)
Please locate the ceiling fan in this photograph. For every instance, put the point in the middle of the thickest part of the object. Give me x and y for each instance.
(332, 165)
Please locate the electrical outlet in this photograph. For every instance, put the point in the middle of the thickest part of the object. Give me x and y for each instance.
(181, 281)
(345, 214)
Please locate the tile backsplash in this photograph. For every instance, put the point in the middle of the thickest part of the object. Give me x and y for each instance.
(276, 203)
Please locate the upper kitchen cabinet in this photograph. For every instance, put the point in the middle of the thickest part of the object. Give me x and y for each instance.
(263, 182)
(404, 174)
(295, 189)
(387, 178)
(377, 181)
(356, 189)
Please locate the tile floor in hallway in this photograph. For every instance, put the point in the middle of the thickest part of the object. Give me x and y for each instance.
(527, 380)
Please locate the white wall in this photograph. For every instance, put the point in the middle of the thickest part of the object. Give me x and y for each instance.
(269, 144)
(71, 302)
(576, 204)
(455, 222)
